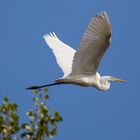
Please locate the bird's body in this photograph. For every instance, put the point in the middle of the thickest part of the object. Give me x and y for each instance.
(80, 66)
(82, 80)
(86, 81)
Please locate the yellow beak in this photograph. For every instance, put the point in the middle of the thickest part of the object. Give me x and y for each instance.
(118, 80)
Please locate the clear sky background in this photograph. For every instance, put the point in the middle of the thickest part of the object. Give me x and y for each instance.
(26, 60)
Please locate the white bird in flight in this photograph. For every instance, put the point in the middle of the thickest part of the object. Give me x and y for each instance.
(80, 67)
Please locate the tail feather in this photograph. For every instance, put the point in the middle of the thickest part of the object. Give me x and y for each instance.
(38, 87)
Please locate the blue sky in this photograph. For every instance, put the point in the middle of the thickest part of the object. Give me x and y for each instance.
(26, 60)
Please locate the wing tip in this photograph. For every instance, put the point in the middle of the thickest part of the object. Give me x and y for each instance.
(51, 34)
(102, 17)
(102, 14)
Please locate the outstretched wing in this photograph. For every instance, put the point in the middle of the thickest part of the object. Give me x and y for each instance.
(93, 45)
(63, 53)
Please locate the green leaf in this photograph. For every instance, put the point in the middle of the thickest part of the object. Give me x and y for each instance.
(26, 126)
(34, 91)
(46, 97)
(5, 100)
(45, 90)
(29, 113)
(14, 107)
(1, 120)
(14, 116)
(52, 121)
(23, 134)
(57, 117)
(53, 132)
(35, 99)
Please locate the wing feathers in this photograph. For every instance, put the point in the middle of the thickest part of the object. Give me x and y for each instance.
(93, 45)
(63, 53)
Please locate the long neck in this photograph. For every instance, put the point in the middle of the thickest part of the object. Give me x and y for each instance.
(104, 84)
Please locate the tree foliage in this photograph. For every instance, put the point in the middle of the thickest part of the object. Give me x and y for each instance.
(42, 123)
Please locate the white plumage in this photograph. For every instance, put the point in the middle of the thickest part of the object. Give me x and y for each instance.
(63, 53)
(80, 66)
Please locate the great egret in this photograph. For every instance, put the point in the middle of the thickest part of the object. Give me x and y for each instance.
(81, 67)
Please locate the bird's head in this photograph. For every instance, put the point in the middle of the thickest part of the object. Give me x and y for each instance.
(104, 81)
